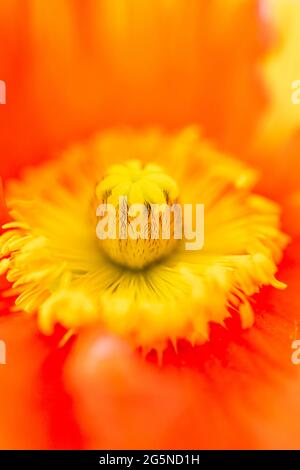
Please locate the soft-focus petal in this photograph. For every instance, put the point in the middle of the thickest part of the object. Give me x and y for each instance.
(280, 70)
(22, 422)
(276, 144)
(74, 67)
(35, 410)
(123, 402)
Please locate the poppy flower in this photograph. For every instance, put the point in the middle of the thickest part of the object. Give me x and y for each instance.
(142, 343)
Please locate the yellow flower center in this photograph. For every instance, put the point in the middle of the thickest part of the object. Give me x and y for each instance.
(147, 291)
(135, 199)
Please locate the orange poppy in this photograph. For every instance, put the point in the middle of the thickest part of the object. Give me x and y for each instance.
(148, 346)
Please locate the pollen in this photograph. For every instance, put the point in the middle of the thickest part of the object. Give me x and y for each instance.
(149, 292)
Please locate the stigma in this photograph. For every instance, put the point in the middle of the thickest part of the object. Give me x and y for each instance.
(137, 214)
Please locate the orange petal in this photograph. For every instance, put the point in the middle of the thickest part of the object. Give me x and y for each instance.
(22, 424)
(123, 403)
(73, 68)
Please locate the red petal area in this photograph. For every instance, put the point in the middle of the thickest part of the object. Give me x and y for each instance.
(4, 215)
(241, 390)
(62, 428)
(251, 373)
(22, 423)
(125, 403)
(35, 411)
